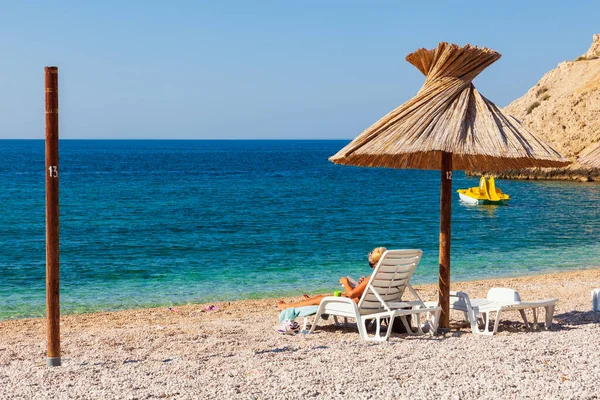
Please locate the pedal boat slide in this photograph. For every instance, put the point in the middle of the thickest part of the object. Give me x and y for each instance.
(486, 193)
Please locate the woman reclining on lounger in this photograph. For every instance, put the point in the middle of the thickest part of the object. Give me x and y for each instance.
(349, 291)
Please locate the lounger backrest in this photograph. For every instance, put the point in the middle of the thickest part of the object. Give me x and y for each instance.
(504, 295)
(389, 279)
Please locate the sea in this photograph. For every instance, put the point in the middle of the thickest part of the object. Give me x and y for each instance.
(160, 223)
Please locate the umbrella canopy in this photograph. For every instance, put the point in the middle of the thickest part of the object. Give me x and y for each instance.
(449, 115)
(449, 125)
(591, 158)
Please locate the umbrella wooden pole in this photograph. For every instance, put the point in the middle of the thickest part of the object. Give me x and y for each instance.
(52, 249)
(445, 216)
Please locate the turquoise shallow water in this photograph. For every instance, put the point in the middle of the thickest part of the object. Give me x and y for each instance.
(146, 223)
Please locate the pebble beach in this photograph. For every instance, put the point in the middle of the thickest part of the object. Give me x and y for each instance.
(234, 352)
(175, 175)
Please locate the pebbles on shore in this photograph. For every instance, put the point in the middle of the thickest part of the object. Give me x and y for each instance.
(234, 352)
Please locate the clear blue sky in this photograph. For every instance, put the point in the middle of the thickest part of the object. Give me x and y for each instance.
(259, 69)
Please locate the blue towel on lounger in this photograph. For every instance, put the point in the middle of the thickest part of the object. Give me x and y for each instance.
(293, 312)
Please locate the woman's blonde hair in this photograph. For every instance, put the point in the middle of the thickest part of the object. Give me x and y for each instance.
(375, 255)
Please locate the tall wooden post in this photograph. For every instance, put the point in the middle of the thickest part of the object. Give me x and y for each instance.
(445, 216)
(52, 247)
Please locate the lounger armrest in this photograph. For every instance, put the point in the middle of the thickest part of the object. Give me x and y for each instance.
(338, 306)
(460, 301)
(338, 299)
(414, 305)
(410, 311)
(430, 304)
(405, 304)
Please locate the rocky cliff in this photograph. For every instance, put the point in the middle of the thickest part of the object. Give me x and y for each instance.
(563, 108)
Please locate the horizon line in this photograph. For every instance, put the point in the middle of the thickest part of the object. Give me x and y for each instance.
(181, 139)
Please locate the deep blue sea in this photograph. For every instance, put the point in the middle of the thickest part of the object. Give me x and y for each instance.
(161, 223)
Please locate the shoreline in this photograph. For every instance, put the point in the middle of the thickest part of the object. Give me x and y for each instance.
(274, 298)
(571, 173)
(235, 352)
(426, 288)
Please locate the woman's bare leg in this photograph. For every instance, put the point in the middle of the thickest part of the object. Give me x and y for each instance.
(312, 301)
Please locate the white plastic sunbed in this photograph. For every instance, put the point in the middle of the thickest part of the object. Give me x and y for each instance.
(382, 299)
(499, 300)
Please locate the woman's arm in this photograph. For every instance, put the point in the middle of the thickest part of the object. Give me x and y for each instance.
(356, 291)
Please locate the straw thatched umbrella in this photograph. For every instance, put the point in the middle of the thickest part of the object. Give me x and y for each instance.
(591, 157)
(449, 125)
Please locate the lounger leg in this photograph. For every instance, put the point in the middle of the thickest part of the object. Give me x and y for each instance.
(415, 327)
(535, 320)
(336, 320)
(524, 316)
(498, 312)
(314, 324)
(389, 328)
(434, 322)
(486, 318)
(317, 316)
(361, 323)
(362, 329)
(388, 331)
(474, 320)
(415, 319)
(549, 315)
(406, 325)
(420, 325)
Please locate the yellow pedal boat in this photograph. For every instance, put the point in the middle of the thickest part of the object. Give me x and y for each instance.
(486, 193)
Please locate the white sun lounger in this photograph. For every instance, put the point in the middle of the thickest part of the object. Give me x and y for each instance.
(383, 299)
(499, 300)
